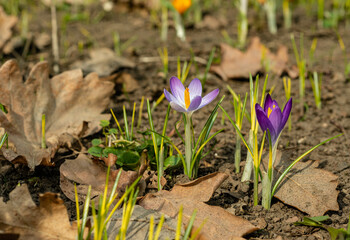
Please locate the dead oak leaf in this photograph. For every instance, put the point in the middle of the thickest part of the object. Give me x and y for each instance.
(220, 223)
(85, 172)
(22, 218)
(238, 64)
(72, 105)
(306, 187)
(6, 25)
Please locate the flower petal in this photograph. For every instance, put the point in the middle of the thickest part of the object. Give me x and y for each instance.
(276, 118)
(177, 107)
(195, 88)
(168, 96)
(286, 112)
(177, 89)
(209, 98)
(264, 122)
(195, 104)
(268, 103)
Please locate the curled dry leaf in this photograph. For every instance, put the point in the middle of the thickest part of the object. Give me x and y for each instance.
(238, 64)
(306, 187)
(193, 195)
(7, 23)
(104, 62)
(22, 218)
(72, 105)
(139, 223)
(85, 172)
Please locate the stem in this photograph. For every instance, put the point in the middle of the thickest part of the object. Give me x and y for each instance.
(256, 182)
(243, 22)
(266, 191)
(188, 144)
(270, 7)
(180, 29)
(238, 153)
(160, 167)
(164, 28)
(287, 14)
(43, 141)
(248, 168)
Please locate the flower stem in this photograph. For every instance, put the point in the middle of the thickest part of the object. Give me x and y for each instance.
(188, 144)
(256, 190)
(180, 29)
(238, 153)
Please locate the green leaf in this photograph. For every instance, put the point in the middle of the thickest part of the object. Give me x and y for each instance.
(337, 233)
(3, 108)
(104, 123)
(95, 151)
(113, 131)
(172, 161)
(96, 142)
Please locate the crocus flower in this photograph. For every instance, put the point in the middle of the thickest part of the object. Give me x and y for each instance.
(272, 118)
(181, 5)
(188, 99)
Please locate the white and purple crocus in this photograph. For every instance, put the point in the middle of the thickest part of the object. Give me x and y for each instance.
(272, 118)
(188, 100)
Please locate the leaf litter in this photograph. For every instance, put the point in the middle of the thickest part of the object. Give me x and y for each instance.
(220, 224)
(306, 187)
(21, 219)
(60, 99)
(257, 58)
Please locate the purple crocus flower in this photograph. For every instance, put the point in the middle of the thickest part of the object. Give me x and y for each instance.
(189, 99)
(272, 118)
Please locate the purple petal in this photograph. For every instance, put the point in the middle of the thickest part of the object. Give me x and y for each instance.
(264, 122)
(286, 112)
(168, 96)
(276, 118)
(268, 103)
(195, 88)
(195, 104)
(177, 107)
(177, 89)
(209, 98)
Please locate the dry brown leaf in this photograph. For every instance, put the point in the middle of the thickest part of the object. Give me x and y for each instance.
(220, 223)
(104, 62)
(85, 172)
(238, 64)
(306, 187)
(6, 25)
(72, 105)
(20, 216)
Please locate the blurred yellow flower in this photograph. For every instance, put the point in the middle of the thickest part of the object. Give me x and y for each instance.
(181, 5)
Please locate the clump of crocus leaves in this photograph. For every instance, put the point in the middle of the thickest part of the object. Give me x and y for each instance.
(272, 120)
(187, 101)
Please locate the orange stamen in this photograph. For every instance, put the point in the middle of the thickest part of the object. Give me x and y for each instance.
(187, 98)
(269, 111)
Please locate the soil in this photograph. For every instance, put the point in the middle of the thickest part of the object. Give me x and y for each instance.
(308, 128)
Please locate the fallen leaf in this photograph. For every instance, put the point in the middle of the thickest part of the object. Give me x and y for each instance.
(238, 64)
(138, 227)
(104, 62)
(20, 216)
(192, 195)
(72, 105)
(85, 172)
(306, 187)
(7, 23)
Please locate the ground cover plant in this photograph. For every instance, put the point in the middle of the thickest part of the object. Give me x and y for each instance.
(181, 119)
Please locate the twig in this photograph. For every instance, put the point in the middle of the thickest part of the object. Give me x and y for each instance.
(172, 59)
(55, 49)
